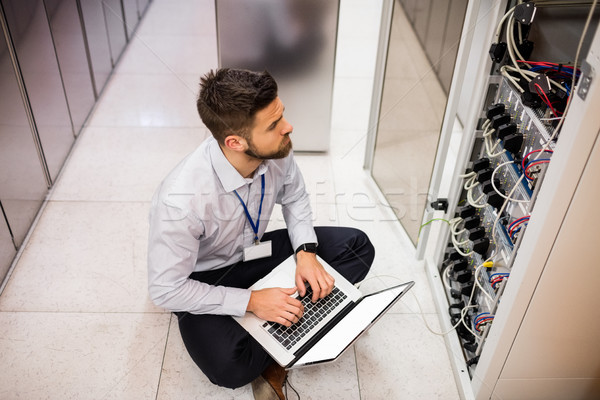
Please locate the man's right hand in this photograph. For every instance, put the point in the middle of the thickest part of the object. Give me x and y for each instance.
(276, 305)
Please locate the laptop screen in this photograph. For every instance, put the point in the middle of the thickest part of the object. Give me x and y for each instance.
(366, 312)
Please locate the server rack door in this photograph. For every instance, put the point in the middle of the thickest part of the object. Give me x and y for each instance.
(23, 184)
(36, 58)
(67, 35)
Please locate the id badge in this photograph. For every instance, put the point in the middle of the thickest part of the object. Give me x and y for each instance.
(260, 250)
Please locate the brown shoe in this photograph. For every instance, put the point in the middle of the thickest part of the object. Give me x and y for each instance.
(269, 385)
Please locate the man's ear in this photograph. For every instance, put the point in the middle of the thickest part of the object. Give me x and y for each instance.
(236, 143)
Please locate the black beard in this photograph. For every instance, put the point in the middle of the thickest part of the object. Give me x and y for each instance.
(281, 153)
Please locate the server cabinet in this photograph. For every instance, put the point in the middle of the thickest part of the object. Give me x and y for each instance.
(23, 184)
(142, 6)
(69, 43)
(100, 56)
(115, 28)
(36, 58)
(132, 16)
(295, 40)
(7, 247)
(512, 269)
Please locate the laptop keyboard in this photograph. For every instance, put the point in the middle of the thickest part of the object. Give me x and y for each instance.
(313, 314)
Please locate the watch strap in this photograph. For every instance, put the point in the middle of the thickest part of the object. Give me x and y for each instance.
(308, 247)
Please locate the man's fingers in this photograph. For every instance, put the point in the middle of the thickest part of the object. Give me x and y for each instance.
(288, 318)
(283, 321)
(300, 286)
(297, 310)
(316, 288)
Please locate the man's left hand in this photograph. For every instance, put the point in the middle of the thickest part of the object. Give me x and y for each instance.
(309, 269)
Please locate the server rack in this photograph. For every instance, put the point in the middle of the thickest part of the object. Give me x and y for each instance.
(510, 277)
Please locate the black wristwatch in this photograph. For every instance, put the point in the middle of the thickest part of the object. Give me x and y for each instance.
(308, 247)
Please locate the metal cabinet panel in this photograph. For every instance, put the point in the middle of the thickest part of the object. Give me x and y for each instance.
(36, 57)
(67, 35)
(115, 27)
(295, 41)
(132, 16)
(22, 180)
(7, 247)
(97, 42)
(142, 6)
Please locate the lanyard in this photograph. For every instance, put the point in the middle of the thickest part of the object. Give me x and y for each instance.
(262, 196)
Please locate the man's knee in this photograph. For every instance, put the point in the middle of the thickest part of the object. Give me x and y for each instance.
(231, 375)
(222, 349)
(348, 250)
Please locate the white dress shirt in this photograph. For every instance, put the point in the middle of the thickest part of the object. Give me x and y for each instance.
(197, 223)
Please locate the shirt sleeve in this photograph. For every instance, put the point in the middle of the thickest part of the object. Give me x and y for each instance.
(295, 205)
(172, 252)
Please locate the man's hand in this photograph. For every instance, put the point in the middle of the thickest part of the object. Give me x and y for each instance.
(276, 305)
(309, 269)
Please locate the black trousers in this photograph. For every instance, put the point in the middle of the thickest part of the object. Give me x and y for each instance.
(221, 348)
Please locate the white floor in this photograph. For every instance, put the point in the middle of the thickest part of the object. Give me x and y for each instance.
(75, 318)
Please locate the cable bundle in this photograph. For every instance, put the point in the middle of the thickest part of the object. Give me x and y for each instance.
(482, 319)
(497, 278)
(525, 166)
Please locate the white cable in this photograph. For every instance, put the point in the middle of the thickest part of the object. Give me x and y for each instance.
(446, 278)
(453, 224)
(486, 124)
(560, 123)
(545, 147)
(511, 52)
(481, 287)
(463, 312)
(512, 79)
(499, 27)
(475, 202)
(421, 308)
(519, 26)
(533, 75)
(471, 182)
(490, 151)
(488, 132)
(496, 189)
(511, 36)
(458, 250)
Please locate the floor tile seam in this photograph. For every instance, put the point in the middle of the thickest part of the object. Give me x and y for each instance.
(417, 313)
(162, 363)
(154, 74)
(357, 372)
(199, 126)
(96, 201)
(172, 34)
(138, 128)
(55, 312)
(180, 76)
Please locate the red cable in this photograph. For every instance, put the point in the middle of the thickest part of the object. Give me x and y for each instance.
(531, 165)
(548, 103)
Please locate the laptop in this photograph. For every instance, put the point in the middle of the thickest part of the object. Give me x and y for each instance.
(328, 327)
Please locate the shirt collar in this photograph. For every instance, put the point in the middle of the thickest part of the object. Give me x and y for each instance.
(230, 178)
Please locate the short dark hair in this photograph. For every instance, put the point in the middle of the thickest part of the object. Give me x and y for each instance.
(229, 99)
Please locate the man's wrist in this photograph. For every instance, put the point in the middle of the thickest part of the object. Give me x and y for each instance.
(308, 248)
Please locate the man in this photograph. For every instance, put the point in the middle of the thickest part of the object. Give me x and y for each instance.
(207, 241)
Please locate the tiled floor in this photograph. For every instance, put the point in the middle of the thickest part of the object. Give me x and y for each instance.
(75, 318)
